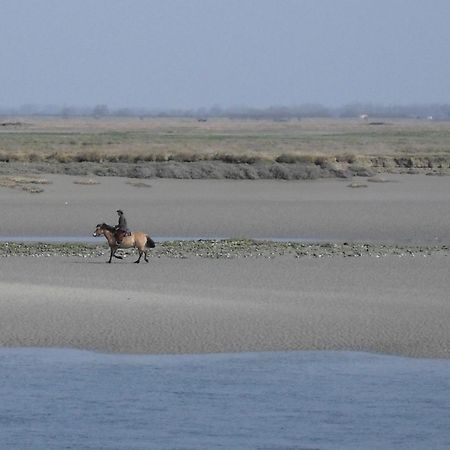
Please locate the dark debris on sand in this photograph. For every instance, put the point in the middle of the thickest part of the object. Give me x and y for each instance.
(230, 248)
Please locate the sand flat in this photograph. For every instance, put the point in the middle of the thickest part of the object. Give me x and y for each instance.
(409, 209)
(392, 305)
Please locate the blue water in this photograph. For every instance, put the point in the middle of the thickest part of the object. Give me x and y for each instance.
(67, 399)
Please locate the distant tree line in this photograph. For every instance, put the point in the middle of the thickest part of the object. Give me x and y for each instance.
(278, 113)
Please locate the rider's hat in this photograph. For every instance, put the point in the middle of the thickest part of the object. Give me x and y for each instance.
(120, 211)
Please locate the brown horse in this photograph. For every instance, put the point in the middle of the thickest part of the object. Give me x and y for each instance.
(138, 239)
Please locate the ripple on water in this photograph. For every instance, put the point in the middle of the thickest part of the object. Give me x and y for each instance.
(263, 400)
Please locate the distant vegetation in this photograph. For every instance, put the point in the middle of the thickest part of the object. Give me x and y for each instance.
(436, 111)
(223, 148)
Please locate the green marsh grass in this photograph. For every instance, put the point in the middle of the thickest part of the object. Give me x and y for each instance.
(311, 141)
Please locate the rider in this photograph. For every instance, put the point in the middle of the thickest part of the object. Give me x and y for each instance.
(121, 227)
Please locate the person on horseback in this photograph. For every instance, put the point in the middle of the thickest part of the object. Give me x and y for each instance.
(121, 227)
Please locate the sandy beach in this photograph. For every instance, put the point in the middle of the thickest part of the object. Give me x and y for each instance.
(390, 304)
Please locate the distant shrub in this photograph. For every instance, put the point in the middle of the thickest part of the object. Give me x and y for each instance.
(321, 160)
(235, 158)
(141, 172)
(361, 171)
(279, 171)
(60, 157)
(89, 156)
(348, 158)
(286, 158)
(185, 157)
(294, 158)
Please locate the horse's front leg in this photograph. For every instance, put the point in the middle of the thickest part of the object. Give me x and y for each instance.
(139, 259)
(113, 253)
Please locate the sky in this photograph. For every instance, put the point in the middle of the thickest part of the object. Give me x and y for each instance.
(184, 54)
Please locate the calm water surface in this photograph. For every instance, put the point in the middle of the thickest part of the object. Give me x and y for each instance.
(67, 399)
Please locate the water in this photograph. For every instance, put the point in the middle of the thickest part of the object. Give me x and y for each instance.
(67, 399)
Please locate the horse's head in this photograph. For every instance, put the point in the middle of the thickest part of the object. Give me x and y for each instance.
(99, 230)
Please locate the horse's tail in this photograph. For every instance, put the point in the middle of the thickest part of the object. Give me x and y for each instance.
(150, 242)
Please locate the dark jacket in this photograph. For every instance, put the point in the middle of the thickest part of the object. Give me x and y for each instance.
(122, 223)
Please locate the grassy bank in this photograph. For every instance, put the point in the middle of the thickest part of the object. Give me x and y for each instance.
(220, 148)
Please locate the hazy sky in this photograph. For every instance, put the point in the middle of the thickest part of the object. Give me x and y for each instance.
(193, 53)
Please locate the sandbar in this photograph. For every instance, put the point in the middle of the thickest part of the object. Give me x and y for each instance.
(195, 305)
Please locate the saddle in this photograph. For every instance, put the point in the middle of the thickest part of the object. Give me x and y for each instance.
(121, 234)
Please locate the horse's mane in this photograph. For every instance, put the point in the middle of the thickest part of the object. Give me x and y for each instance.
(106, 227)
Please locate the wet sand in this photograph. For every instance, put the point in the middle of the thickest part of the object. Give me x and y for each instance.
(409, 209)
(389, 304)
